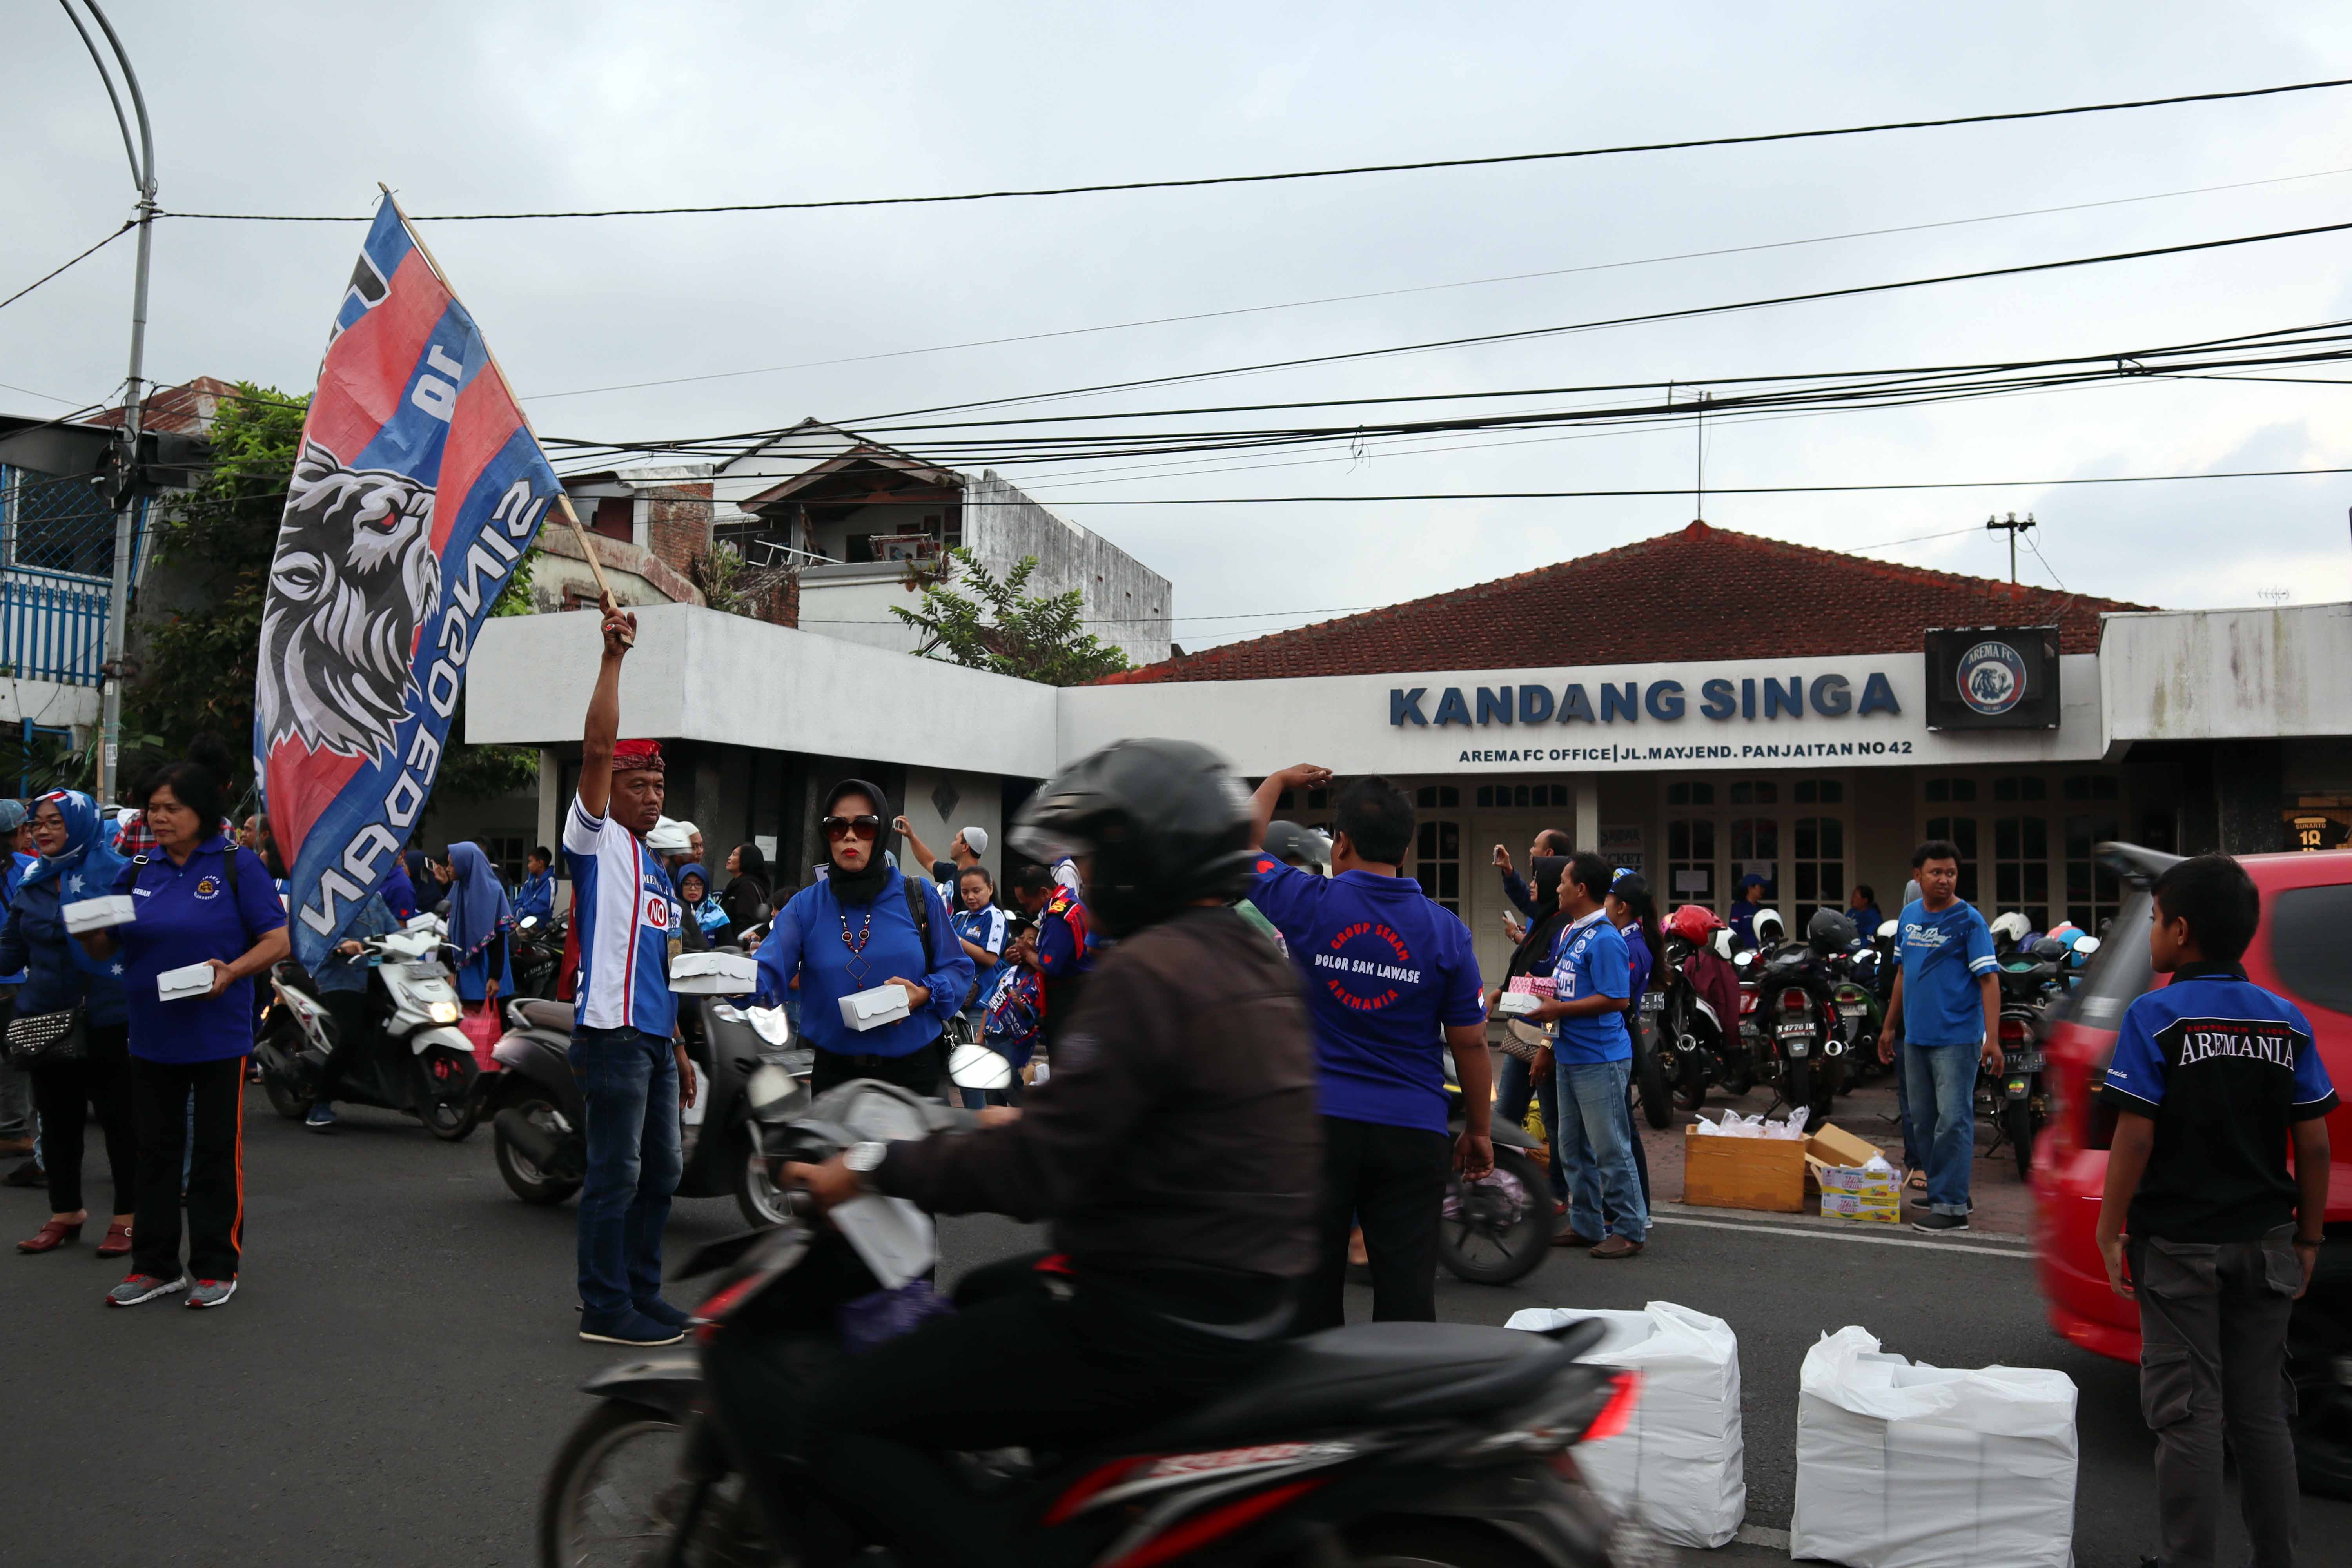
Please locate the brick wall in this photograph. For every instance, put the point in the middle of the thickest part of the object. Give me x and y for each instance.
(677, 523)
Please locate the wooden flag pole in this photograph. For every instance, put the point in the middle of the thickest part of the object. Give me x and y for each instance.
(562, 497)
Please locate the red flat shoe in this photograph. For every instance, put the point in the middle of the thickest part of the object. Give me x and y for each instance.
(50, 1237)
(117, 1242)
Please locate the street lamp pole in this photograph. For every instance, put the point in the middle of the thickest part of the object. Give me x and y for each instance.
(142, 177)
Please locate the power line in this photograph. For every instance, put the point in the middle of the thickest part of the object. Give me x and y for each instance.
(1422, 288)
(128, 225)
(1348, 171)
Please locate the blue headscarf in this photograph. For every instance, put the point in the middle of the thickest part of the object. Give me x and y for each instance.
(399, 893)
(88, 862)
(479, 909)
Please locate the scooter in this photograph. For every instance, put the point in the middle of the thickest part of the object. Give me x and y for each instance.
(2031, 984)
(539, 1122)
(1496, 1229)
(421, 1065)
(536, 953)
(1442, 1445)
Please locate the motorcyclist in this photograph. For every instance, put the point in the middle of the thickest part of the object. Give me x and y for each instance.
(1175, 1151)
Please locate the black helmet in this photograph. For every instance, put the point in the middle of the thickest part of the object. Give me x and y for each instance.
(1166, 822)
(1829, 932)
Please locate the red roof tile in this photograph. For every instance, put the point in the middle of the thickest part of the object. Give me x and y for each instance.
(1701, 593)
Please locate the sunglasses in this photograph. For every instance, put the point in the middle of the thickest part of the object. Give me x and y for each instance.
(868, 827)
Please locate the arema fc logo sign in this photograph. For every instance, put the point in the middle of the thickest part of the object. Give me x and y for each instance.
(1991, 678)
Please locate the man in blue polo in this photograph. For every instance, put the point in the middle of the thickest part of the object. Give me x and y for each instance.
(1390, 982)
(1946, 1011)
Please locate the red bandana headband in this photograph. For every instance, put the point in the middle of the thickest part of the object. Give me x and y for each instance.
(638, 756)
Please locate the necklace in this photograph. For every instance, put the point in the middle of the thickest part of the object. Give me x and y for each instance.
(856, 965)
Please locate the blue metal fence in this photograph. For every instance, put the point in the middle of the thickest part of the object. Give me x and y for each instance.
(52, 626)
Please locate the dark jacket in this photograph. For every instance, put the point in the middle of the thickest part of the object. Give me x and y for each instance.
(34, 939)
(1178, 1125)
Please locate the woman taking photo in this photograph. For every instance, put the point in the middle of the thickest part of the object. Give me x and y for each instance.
(201, 902)
(747, 900)
(75, 864)
(479, 919)
(854, 928)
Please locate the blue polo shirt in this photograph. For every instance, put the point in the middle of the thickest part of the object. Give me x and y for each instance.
(185, 915)
(1386, 972)
(1944, 957)
(1590, 960)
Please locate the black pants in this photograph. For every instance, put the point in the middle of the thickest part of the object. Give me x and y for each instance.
(350, 1011)
(160, 1092)
(1082, 1360)
(67, 1092)
(920, 1070)
(2212, 1364)
(1391, 1181)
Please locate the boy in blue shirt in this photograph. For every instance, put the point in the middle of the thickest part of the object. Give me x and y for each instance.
(1591, 987)
(536, 896)
(2201, 1221)
(1946, 1000)
(1390, 981)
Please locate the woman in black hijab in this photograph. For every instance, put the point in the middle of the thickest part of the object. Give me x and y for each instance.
(748, 900)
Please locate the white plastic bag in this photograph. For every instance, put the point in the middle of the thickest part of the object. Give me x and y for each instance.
(1903, 1466)
(1680, 1465)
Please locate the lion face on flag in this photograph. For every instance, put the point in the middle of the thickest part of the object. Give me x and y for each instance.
(354, 578)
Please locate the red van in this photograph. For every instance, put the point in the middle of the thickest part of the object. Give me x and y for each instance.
(2302, 951)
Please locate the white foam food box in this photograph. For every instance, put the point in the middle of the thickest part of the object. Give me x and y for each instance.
(97, 915)
(192, 980)
(714, 973)
(863, 1010)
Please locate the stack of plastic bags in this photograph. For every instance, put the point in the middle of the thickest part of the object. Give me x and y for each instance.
(1735, 1125)
(1680, 1465)
(1903, 1466)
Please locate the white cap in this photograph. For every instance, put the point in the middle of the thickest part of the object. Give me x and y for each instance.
(975, 839)
(668, 838)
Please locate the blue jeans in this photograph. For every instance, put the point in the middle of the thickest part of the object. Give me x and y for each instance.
(1516, 1087)
(1911, 1157)
(1596, 1144)
(628, 1082)
(1939, 1084)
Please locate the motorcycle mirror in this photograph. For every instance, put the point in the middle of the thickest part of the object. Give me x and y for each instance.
(2088, 945)
(1743, 960)
(974, 1066)
(1887, 929)
(528, 922)
(770, 1025)
(772, 1094)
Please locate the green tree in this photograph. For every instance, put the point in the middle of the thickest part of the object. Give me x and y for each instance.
(1002, 629)
(213, 547)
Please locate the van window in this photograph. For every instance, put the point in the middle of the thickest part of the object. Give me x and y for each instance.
(2310, 944)
(2119, 973)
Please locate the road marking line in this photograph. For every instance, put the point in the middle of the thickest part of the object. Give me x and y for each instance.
(1816, 1221)
(1843, 1236)
(1760, 1535)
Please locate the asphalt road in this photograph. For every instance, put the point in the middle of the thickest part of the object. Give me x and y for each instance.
(399, 1362)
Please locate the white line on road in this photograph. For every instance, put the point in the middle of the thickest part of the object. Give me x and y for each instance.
(2019, 1252)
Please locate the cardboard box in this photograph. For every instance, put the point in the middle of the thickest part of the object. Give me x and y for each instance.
(1834, 1159)
(714, 973)
(1516, 1003)
(864, 1010)
(97, 915)
(192, 980)
(1767, 1174)
(1834, 1145)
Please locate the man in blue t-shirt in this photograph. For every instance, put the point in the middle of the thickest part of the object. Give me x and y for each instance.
(1390, 982)
(1946, 1011)
(2201, 1221)
(1592, 985)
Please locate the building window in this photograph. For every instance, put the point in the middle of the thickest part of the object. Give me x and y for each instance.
(2091, 786)
(2092, 892)
(2021, 786)
(1821, 792)
(1690, 861)
(1755, 792)
(1690, 792)
(1940, 791)
(2021, 864)
(1756, 850)
(1818, 868)
(1501, 797)
(1437, 796)
(1962, 832)
(506, 855)
(1437, 862)
(55, 523)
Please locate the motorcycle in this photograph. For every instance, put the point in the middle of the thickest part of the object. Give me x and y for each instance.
(1496, 1230)
(536, 953)
(1434, 1444)
(1799, 1038)
(538, 1125)
(421, 1065)
(2032, 982)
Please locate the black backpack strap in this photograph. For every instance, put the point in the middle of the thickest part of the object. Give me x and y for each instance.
(918, 909)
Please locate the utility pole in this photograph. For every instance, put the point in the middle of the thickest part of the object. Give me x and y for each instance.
(126, 499)
(2011, 527)
(1698, 488)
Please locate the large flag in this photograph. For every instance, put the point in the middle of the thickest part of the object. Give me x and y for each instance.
(418, 487)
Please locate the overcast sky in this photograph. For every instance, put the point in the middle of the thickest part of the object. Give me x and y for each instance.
(489, 106)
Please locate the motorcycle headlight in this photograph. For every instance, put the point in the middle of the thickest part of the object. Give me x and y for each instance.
(443, 1012)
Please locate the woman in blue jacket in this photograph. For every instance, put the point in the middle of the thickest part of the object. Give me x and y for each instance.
(75, 863)
(856, 928)
(480, 916)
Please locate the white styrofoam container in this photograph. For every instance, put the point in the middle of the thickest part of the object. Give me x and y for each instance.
(1908, 1466)
(863, 1010)
(714, 973)
(1681, 1463)
(192, 980)
(97, 915)
(1518, 1004)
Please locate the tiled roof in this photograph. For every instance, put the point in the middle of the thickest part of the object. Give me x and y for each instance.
(1700, 593)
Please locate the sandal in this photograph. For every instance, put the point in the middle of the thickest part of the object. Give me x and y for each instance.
(50, 1237)
(1917, 1182)
(117, 1242)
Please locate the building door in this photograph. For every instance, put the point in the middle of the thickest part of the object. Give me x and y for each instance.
(1437, 861)
(1690, 870)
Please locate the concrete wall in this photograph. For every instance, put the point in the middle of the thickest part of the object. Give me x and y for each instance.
(854, 603)
(2196, 675)
(1128, 603)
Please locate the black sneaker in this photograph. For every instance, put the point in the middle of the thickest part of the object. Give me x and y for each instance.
(631, 1327)
(1937, 1223)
